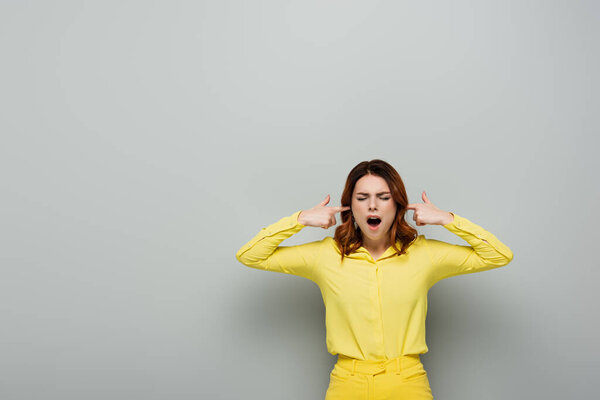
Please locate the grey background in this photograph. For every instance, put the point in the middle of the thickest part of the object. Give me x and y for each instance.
(143, 143)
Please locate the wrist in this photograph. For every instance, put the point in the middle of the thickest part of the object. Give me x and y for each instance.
(300, 218)
(448, 219)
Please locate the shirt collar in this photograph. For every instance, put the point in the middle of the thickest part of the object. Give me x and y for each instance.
(363, 254)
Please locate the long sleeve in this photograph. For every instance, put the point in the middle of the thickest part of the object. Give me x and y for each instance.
(484, 253)
(263, 251)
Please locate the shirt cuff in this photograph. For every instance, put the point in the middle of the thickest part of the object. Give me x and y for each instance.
(460, 224)
(295, 216)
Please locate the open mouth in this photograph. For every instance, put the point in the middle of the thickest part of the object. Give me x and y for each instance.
(373, 222)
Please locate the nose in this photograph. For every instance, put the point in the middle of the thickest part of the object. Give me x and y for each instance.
(372, 206)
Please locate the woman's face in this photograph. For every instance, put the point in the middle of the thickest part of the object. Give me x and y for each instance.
(372, 196)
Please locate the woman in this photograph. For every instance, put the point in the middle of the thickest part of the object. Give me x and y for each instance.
(374, 275)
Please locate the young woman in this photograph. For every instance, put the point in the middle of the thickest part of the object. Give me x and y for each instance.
(374, 275)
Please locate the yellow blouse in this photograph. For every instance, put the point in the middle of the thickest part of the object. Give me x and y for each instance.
(375, 309)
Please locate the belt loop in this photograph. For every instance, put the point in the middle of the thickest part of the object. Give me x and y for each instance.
(397, 365)
(353, 366)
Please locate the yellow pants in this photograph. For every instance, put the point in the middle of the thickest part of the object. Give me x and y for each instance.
(402, 378)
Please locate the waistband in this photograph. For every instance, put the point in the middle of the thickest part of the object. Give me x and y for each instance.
(372, 367)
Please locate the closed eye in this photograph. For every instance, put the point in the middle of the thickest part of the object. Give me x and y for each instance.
(382, 198)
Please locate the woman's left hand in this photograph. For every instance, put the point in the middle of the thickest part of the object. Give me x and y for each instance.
(427, 213)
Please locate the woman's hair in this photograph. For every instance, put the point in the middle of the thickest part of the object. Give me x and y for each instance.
(349, 237)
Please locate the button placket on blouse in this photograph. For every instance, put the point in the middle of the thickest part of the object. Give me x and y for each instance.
(379, 306)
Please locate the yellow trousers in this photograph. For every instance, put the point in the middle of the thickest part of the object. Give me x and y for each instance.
(402, 378)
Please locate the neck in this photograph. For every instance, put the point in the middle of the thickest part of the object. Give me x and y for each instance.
(376, 245)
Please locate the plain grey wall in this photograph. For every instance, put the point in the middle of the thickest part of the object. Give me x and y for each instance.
(143, 143)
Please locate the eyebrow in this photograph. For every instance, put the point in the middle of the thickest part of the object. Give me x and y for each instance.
(377, 193)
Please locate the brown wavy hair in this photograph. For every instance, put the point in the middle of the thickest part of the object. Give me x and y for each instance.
(347, 236)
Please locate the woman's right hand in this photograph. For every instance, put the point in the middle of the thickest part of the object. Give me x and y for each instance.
(320, 215)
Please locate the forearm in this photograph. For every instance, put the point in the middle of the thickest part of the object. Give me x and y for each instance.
(486, 244)
(264, 244)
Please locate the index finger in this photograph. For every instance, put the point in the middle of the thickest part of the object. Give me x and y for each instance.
(341, 208)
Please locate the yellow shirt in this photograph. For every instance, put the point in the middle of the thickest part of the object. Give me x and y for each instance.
(375, 309)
